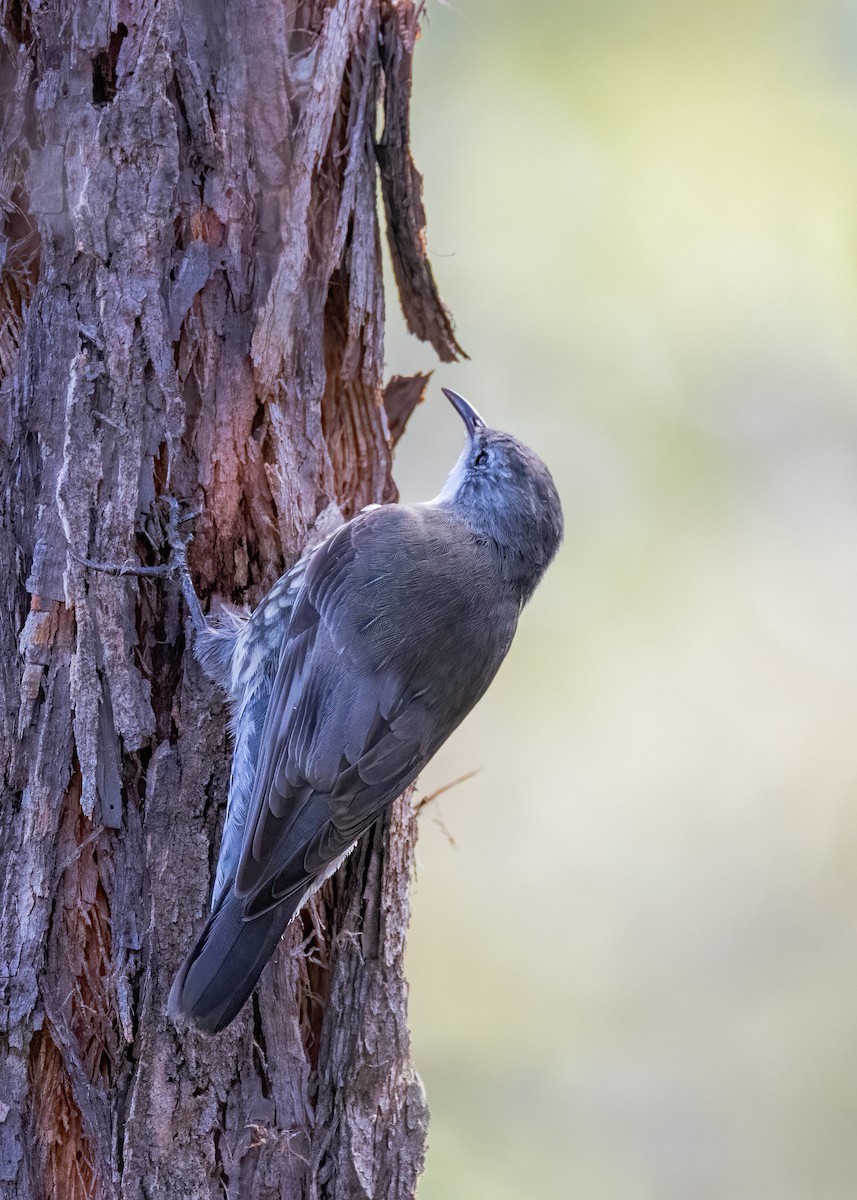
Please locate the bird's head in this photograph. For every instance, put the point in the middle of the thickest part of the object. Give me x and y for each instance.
(503, 491)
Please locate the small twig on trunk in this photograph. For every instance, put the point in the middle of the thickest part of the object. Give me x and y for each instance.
(447, 787)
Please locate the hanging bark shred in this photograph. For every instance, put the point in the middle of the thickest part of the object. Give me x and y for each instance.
(191, 303)
(401, 396)
(402, 186)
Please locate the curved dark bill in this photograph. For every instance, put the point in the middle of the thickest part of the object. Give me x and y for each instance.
(466, 411)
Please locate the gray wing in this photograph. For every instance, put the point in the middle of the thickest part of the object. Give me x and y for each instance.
(392, 638)
(248, 670)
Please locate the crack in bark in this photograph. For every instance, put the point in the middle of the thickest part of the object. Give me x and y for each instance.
(62, 1157)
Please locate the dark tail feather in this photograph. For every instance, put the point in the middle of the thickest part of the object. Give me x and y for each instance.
(227, 959)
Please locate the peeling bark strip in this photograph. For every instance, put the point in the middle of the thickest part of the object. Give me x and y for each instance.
(401, 396)
(402, 186)
(191, 302)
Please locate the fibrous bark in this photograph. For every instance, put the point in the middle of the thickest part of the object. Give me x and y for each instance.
(191, 304)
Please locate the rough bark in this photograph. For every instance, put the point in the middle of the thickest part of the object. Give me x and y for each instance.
(191, 303)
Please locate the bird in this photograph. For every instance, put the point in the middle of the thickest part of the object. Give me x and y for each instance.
(344, 682)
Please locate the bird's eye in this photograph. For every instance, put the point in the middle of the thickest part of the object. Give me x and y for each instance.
(481, 458)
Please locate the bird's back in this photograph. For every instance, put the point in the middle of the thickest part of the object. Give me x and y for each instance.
(393, 636)
(370, 655)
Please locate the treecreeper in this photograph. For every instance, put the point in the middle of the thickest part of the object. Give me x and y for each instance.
(346, 679)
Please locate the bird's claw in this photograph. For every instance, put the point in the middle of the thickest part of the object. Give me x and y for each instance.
(176, 566)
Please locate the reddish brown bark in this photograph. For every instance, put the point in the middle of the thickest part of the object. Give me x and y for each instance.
(191, 302)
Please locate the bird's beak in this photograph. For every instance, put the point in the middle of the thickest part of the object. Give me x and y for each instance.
(467, 412)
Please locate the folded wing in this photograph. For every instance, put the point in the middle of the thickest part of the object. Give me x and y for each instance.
(391, 639)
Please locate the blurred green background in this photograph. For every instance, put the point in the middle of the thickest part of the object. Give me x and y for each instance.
(635, 974)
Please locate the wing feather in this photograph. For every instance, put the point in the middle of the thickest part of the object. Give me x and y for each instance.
(368, 685)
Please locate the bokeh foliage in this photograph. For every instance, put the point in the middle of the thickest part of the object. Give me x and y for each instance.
(635, 975)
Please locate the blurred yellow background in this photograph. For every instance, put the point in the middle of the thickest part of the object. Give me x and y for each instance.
(635, 974)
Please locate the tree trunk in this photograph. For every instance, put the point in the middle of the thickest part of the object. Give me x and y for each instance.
(191, 305)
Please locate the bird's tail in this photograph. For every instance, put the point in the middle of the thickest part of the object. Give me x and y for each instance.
(227, 959)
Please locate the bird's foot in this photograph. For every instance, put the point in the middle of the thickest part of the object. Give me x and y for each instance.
(176, 566)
